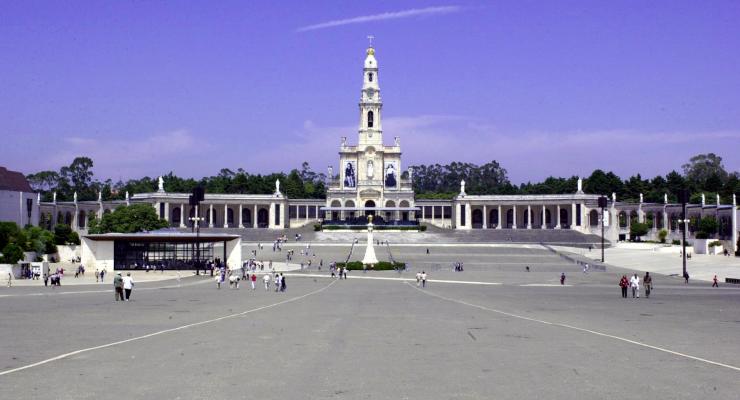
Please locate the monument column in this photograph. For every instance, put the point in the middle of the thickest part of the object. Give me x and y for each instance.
(529, 216)
(226, 215)
(254, 217)
(498, 226)
(182, 215)
(485, 217)
(557, 217)
(513, 222)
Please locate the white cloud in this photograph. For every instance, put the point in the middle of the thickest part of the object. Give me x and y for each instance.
(414, 12)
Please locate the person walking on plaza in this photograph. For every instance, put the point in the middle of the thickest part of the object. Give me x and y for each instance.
(423, 279)
(277, 282)
(10, 278)
(254, 280)
(647, 280)
(562, 278)
(218, 280)
(418, 279)
(715, 283)
(635, 285)
(97, 276)
(283, 285)
(623, 283)
(686, 278)
(128, 285)
(118, 286)
(266, 279)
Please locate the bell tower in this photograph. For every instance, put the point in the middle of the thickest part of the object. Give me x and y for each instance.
(371, 127)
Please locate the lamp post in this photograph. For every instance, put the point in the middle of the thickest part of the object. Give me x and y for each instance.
(602, 205)
(683, 197)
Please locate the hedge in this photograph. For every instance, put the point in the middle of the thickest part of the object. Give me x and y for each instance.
(420, 228)
(380, 266)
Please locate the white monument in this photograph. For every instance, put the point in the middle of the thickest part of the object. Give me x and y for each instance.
(462, 187)
(55, 197)
(127, 199)
(160, 185)
(277, 187)
(370, 259)
(580, 186)
(75, 197)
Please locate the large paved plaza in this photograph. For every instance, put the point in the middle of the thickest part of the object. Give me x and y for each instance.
(498, 332)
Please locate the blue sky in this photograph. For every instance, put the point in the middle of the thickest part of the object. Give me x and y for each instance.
(544, 87)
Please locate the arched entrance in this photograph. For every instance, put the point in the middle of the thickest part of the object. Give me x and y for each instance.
(593, 217)
(176, 216)
(263, 218)
(82, 218)
(404, 214)
(493, 218)
(369, 204)
(509, 218)
(564, 218)
(246, 217)
(477, 219)
(335, 214)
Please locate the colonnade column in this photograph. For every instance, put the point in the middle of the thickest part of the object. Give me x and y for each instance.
(226, 215)
(529, 216)
(573, 216)
(210, 216)
(254, 217)
(557, 217)
(241, 223)
(498, 226)
(485, 217)
(271, 215)
(468, 216)
(167, 211)
(544, 220)
(182, 215)
(513, 222)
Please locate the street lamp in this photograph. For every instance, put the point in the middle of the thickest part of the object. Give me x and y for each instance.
(683, 197)
(602, 205)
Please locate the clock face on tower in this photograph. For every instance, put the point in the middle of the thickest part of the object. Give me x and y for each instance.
(370, 94)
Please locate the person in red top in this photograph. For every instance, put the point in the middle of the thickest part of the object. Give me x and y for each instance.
(623, 283)
(254, 280)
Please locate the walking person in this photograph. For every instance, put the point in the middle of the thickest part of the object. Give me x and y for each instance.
(635, 285)
(266, 280)
(686, 278)
(277, 282)
(128, 285)
(418, 279)
(10, 278)
(423, 279)
(623, 283)
(102, 274)
(118, 286)
(254, 280)
(648, 282)
(562, 278)
(715, 283)
(283, 285)
(97, 276)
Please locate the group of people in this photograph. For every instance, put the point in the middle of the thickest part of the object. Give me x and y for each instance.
(459, 267)
(341, 271)
(421, 279)
(634, 284)
(100, 274)
(122, 286)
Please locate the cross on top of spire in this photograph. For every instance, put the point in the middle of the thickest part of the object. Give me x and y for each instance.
(370, 39)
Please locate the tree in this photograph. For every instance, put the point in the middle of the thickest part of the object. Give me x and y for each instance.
(12, 253)
(638, 229)
(603, 183)
(128, 219)
(662, 235)
(702, 167)
(61, 234)
(707, 227)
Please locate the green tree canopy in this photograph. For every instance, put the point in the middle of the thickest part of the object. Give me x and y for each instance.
(128, 219)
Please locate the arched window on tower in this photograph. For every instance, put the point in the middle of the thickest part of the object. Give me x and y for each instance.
(370, 77)
(369, 119)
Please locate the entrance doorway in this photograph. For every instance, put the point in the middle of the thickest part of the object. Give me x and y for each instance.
(369, 204)
(263, 218)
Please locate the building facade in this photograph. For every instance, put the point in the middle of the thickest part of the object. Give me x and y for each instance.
(369, 181)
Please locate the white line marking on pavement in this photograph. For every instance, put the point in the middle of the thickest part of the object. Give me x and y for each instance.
(388, 278)
(704, 360)
(53, 292)
(179, 328)
(542, 285)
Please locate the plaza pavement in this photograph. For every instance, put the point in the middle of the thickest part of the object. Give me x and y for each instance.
(504, 334)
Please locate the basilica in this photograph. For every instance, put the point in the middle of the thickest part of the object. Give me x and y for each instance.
(370, 180)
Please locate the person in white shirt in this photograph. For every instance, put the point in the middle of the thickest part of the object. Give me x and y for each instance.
(418, 279)
(423, 279)
(266, 280)
(635, 285)
(128, 285)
